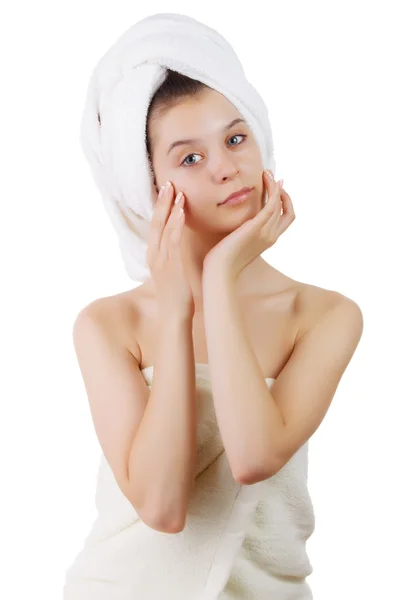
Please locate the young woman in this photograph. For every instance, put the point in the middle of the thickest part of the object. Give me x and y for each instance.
(208, 378)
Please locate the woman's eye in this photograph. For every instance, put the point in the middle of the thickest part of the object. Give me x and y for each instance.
(188, 156)
(238, 135)
(194, 163)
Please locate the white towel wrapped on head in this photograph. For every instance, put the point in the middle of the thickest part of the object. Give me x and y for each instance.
(113, 126)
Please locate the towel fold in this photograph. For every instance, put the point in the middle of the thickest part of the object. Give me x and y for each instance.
(239, 541)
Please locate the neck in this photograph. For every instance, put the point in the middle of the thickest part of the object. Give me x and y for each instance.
(251, 280)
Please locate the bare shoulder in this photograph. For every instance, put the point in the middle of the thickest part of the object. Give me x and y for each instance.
(119, 315)
(314, 302)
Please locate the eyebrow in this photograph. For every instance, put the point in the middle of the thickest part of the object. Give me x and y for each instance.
(192, 140)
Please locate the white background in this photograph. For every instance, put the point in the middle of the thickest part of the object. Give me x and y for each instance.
(329, 74)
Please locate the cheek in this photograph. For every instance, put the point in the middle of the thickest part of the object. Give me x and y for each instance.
(261, 193)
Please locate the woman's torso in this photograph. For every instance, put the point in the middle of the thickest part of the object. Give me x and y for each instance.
(276, 315)
(232, 531)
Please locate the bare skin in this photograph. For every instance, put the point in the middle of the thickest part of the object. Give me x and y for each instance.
(276, 314)
(120, 334)
(277, 309)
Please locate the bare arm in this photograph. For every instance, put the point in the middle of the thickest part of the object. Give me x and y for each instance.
(162, 460)
(149, 437)
(261, 428)
(244, 408)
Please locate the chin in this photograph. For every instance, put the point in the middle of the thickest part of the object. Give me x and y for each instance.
(237, 218)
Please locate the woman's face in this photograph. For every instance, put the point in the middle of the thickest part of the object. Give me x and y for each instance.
(218, 161)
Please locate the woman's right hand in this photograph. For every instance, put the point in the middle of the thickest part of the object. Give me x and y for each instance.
(173, 291)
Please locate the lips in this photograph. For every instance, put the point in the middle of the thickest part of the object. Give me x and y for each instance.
(236, 194)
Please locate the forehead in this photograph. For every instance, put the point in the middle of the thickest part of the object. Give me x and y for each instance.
(207, 104)
(193, 119)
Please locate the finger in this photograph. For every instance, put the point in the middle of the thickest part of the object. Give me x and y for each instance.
(268, 212)
(171, 224)
(273, 213)
(160, 217)
(265, 190)
(176, 235)
(277, 224)
(267, 187)
(288, 215)
(274, 221)
(272, 186)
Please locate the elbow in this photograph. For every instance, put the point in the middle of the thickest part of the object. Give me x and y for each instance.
(254, 477)
(153, 518)
(176, 527)
(163, 524)
(251, 476)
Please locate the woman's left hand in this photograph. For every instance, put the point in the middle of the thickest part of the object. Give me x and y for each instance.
(256, 235)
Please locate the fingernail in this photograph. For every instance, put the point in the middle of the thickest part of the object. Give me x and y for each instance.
(280, 183)
(179, 196)
(269, 173)
(160, 193)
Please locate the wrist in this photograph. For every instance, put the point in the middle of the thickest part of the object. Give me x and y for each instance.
(217, 275)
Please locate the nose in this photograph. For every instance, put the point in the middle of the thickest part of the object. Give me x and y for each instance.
(225, 168)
